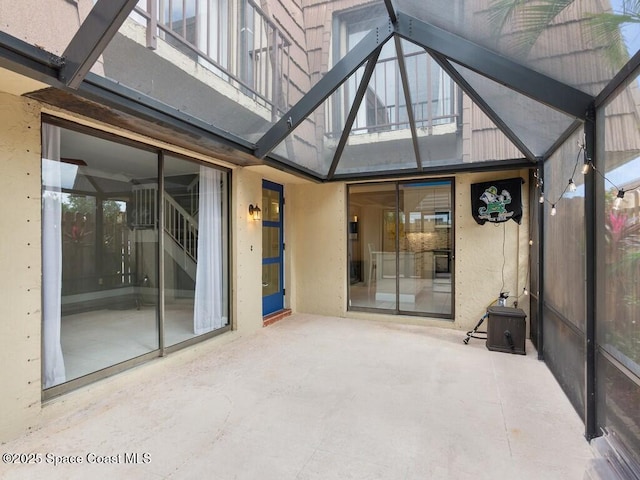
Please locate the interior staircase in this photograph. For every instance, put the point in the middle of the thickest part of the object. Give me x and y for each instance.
(180, 221)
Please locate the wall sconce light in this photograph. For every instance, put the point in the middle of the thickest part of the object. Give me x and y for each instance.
(255, 212)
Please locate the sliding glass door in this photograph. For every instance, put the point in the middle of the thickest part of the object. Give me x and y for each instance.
(401, 247)
(109, 299)
(195, 249)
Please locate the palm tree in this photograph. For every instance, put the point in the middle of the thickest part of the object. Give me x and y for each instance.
(528, 19)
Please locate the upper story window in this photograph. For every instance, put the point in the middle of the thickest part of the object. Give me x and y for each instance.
(434, 95)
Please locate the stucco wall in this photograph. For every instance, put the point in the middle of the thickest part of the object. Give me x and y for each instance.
(316, 263)
(20, 260)
(247, 252)
(479, 254)
(320, 257)
(319, 243)
(31, 21)
(20, 263)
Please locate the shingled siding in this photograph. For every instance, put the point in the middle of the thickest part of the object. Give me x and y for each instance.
(562, 51)
(586, 64)
(487, 141)
(319, 24)
(288, 16)
(483, 141)
(319, 21)
(566, 50)
(621, 128)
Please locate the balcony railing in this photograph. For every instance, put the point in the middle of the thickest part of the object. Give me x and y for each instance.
(435, 98)
(232, 38)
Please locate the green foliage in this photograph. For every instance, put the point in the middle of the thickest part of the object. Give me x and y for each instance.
(80, 204)
(605, 29)
(526, 20)
(86, 205)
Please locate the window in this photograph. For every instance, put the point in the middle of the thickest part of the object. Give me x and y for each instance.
(401, 259)
(232, 38)
(384, 107)
(102, 234)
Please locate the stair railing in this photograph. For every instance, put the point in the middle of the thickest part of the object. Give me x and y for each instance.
(194, 196)
(181, 226)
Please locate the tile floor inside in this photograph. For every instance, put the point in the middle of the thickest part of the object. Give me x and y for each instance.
(423, 298)
(314, 397)
(95, 340)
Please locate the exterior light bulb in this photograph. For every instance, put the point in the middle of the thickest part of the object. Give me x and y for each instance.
(541, 199)
(585, 168)
(255, 213)
(618, 201)
(572, 186)
(526, 292)
(553, 210)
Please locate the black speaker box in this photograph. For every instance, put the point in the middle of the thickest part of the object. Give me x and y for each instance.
(506, 329)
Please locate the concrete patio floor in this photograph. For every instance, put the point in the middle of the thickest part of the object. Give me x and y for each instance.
(314, 397)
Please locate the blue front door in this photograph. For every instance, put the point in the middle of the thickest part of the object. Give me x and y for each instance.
(272, 248)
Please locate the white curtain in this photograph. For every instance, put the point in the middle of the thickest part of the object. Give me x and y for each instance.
(208, 311)
(54, 372)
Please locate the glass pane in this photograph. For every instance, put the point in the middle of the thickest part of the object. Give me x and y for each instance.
(618, 281)
(270, 279)
(313, 143)
(619, 232)
(380, 138)
(618, 397)
(535, 125)
(232, 64)
(100, 204)
(400, 254)
(270, 242)
(194, 249)
(564, 242)
(372, 255)
(270, 205)
(426, 268)
(564, 354)
(437, 109)
(578, 44)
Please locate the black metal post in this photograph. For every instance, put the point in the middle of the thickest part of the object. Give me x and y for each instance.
(540, 339)
(93, 36)
(590, 268)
